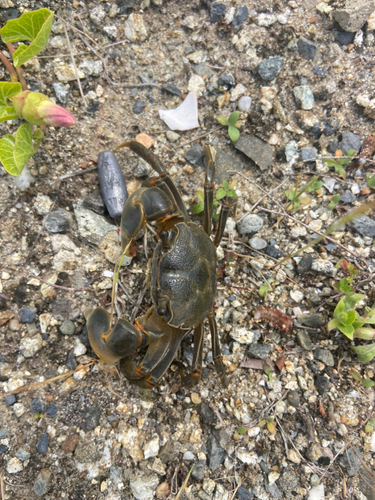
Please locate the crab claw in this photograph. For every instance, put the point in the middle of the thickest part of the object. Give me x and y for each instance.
(98, 323)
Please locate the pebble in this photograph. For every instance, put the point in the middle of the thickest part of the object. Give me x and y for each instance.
(10, 400)
(257, 243)
(226, 81)
(242, 335)
(238, 91)
(41, 484)
(172, 89)
(296, 295)
(316, 493)
(172, 136)
(91, 226)
(112, 183)
(353, 14)
(27, 314)
(30, 346)
(197, 85)
(306, 49)
(294, 398)
(270, 68)
(206, 414)
(199, 469)
(138, 106)
(349, 141)
(244, 494)
(97, 14)
(71, 362)
(61, 92)
(67, 327)
(23, 455)
(289, 480)
(345, 37)
(351, 461)
(18, 409)
(325, 356)
(322, 384)
(324, 267)
(216, 453)
(65, 73)
(304, 264)
(244, 104)
(3, 433)
(240, 17)
(313, 320)
(111, 31)
(143, 169)
(86, 452)
(163, 490)
(291, 151)
(309, 154)
(59, 221)
(51, 410)
(151, 448)
(188, 456)
(135, 29)
(195, 398)
(194, 155)
(251, 223)
(14, 465)
(272, 251)
(36, 406)
(91, 68)
(259, 351)
(217, 11)
(256, 149)
(304, 97)
(42, 444)
(70, 443)
(143, 487)
(363, 225)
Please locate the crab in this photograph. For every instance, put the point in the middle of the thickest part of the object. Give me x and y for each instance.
(182, 281)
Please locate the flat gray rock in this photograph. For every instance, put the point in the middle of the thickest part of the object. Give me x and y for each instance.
(354, 14)
(91, 226)
(223, 163)
(256, 149)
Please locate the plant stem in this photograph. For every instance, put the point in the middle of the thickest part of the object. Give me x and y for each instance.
(8, 65)
(21, 78)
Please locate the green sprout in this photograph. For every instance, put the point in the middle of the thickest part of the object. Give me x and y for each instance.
(370, 180)
(222, 192)
(233, 125)
(338, 164)
(343, 286)
(334, 200)
(294, 195)
(366, 382)
(370, 424)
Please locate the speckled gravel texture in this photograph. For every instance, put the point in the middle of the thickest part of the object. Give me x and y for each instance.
(93, 435)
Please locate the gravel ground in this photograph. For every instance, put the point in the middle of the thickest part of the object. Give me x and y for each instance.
(292, 421)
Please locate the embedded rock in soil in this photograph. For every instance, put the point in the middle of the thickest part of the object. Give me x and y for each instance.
(59, 221)
(223, 163)
(349, 141)
(65, 73)
(86, 452)
(256, 149)
(217, 11)
(270, 68)
(313, 320)
(244, 494)
(353, 15)
(194, 155)
(91, 226)
(239, 18)
(322, 384)
(304, 264)
(27, 314)
(61, 92)
(30, 346)
(309, 154)
(216, 453)
(42, 444)
(306, 49)
(143, 487)
(325, 356)
(363, 225)
(41, 484)
(251, 223)
(206, 414)
(135, 29)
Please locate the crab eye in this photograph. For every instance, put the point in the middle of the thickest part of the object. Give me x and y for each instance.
(162, 311)
(164, 238)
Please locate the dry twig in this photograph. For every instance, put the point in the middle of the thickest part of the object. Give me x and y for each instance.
(74, 63)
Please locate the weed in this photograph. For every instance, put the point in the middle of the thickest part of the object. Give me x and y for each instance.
(233, 125)
(294, 195)
(222, 192)
(370, 180)
(339, 163)
(334, 200)
(366, 382)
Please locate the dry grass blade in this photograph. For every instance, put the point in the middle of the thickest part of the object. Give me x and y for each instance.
(48, 381)
(2, 487)
(183, 486)
(235, 491)
(74, 64)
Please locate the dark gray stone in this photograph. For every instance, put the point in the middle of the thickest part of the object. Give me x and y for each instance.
(270, 68)
(3, 448)
(86, 452)
(349, 141)
(90, 416)
(259, 351)
(41, 484)
(325, 356)
(22, 455)
(216, 453)
(206, 414)
(304, 264)
(225, 81)
(94, 202)
(138, 106)
(256, 149)
(351, 461)
(304, 340)
(322, 384)
(59, 221)
(323, 128)
(344, 37)
(198, 471)
(272, 251)
(309, 154)
(223, 163)
(115, 475)
(27, 314)
(3, 433)
(112, 183)
(294, 398)
(51, 410)
(363, 225)
(36, 406)
(10, 400)
(63, 309)
(240, 17)
(313, 320)
(273, 490)
(318, 71)
(244, 494)
(71, 362)
(194, 155)
(166, 453)
(217, 12)
(42, 444)
(61, 92)
(172, 89)
(347, 197)
(288, 482)
(306, 48)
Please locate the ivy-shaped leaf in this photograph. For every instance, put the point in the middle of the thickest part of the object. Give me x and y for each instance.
(365, 352)
(7, 90)
(16, 151)
(32, 26)
(37, 139)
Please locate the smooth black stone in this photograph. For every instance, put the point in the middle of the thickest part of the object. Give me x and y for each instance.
(172, 89)
(206, 414)
(225, 81)
(304, 264)
(194, 155)
(71, 361)
(322, 128)
(112, 183)
(27, 314)
(306, 49)
(36, 406)
(51, 410)
(42, 445)
(322, 384)
(345, 37)
(10, 400)
(58, 221)
(294, 398)
(84, 337)
(274, 252)
(3, 448)
(240, 17)
(217, 11)
(244, 494)
(139, 106)
(92, 109)
(323, 461)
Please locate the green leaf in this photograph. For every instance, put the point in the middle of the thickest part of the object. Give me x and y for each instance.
(37, 138)
(290, 194)
(6, 154)
(241, 430)
(232, 193)
(341, 171)
(215, 203)
(366, 382)
(340, 308)
(351, 152)
(351, 317)
(232, 120)
(334, 323)
(370, 179)
(365, 352)
(200, 196)
(370, 424)
(352, 300)
(335, 198)
(264, 289)
(233, 133)
(221, 192)
(198, 208)
(222, 120)
(330, 163)
(215, 216)
(225, 185)
(32, 26)
(364, 333)
(353, 373)
(347, 330)
(7, 90)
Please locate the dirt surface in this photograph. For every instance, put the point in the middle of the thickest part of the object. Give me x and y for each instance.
(292, 426)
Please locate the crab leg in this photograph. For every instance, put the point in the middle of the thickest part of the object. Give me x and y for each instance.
(196, 370)
(216, 351)
(208, 189)
(224, 212)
